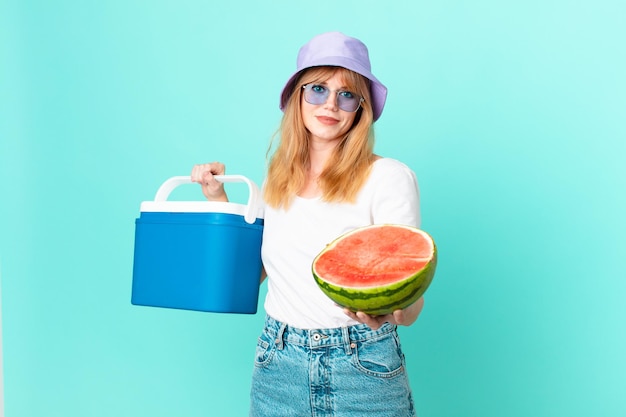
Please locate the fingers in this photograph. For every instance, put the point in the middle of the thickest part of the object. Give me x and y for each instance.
(399, 316)
(204, 175)
(409, 315)
(373, 322)
(350, 314)
(404, 317)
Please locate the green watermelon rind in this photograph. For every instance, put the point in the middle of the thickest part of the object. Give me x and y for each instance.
(384, 299)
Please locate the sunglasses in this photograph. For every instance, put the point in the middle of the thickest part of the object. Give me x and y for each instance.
(318, 94)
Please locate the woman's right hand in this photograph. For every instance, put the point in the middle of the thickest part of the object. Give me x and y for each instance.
(203, 174)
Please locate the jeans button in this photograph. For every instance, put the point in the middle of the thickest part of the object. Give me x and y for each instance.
(317, 337)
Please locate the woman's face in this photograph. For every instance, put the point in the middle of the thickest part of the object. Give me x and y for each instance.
(327, 122)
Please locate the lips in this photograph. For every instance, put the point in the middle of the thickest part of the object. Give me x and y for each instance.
(327, 120)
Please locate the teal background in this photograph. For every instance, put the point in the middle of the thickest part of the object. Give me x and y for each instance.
(511, 114)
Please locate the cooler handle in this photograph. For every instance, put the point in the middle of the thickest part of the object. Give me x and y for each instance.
(251, 211)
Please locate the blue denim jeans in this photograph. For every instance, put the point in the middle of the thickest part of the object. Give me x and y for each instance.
(344, 372)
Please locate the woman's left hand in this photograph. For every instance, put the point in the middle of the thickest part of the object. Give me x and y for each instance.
(404, 317)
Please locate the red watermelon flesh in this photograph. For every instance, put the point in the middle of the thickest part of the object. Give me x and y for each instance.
(377, 268)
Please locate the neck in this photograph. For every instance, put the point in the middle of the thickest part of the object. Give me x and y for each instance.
(319, 154)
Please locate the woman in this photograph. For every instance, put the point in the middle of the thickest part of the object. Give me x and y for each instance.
(313, 357)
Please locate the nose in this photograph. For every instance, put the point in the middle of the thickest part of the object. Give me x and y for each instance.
(331, 100)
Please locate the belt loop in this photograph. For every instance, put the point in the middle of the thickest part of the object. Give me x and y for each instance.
(347, 346)
(279, 336)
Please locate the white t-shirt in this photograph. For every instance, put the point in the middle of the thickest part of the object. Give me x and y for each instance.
(292, 238)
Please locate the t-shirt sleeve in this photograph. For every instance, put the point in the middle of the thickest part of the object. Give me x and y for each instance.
(396, 195)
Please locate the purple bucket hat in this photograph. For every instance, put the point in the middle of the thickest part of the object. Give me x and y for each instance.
(337, 49)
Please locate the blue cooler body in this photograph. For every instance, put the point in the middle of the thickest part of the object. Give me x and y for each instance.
(203, 256)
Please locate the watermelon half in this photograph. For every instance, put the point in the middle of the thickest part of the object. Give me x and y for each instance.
(377, 269)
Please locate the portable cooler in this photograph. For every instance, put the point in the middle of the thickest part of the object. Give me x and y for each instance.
(198, 255)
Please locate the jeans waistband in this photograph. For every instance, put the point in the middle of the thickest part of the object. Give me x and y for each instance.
(283, 333)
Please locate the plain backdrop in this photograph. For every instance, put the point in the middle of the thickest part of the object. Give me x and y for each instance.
(512, 114)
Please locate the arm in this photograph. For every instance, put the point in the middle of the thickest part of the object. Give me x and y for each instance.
(396, 201)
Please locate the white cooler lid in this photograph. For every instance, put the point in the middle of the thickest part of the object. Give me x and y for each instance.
(196, 207)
